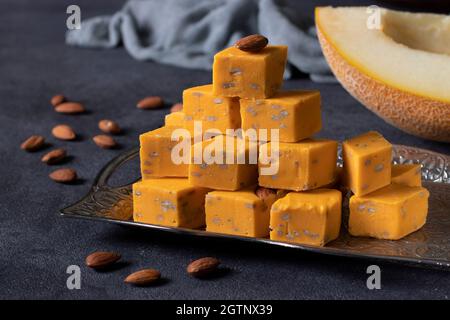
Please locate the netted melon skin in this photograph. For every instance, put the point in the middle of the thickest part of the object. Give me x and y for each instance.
(416, 115)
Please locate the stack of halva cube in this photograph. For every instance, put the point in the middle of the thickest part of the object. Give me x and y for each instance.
(294, 194)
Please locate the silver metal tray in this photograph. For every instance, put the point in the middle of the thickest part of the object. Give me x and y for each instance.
(427, 247)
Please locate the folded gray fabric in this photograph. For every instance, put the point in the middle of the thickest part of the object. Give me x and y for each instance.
(187, 33)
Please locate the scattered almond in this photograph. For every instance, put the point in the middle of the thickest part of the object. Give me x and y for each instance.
(109, 126)
(264, 193)
(150, 103)
(203, 267)
(63, 132)
(101, 259)
(65, 175)
(143, 277)
(104, 141)
(54, 156)
(252, 43)
(33, 143)
(70, 108)
(176, 107)
(57, 100)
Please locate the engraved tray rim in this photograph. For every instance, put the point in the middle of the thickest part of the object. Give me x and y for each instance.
(87, 205)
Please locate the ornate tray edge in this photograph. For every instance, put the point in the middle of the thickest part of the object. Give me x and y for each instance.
(430, 174)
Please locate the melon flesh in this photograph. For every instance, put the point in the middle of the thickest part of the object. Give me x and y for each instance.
(401, 71)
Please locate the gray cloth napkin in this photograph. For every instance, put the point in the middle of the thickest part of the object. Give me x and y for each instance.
(187, 33)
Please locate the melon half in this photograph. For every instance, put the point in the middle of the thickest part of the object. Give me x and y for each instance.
(399, 70)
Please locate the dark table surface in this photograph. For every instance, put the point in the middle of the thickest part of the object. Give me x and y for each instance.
(37, 245)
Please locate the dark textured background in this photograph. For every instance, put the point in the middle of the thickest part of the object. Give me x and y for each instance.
(36, 245)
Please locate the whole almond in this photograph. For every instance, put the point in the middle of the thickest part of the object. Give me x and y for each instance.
(63, 132)
(33, 143)
(264, 193)
(109, 126)
(104, 141)
(102, 259)
(176, 107)
(152, 102)
(143, 277)
(54, 156)
(252, 43)
(65, 175)
(70, 108)
(203, 267)
(57, 100)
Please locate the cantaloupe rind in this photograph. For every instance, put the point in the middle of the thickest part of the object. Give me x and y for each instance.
(418, 114)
